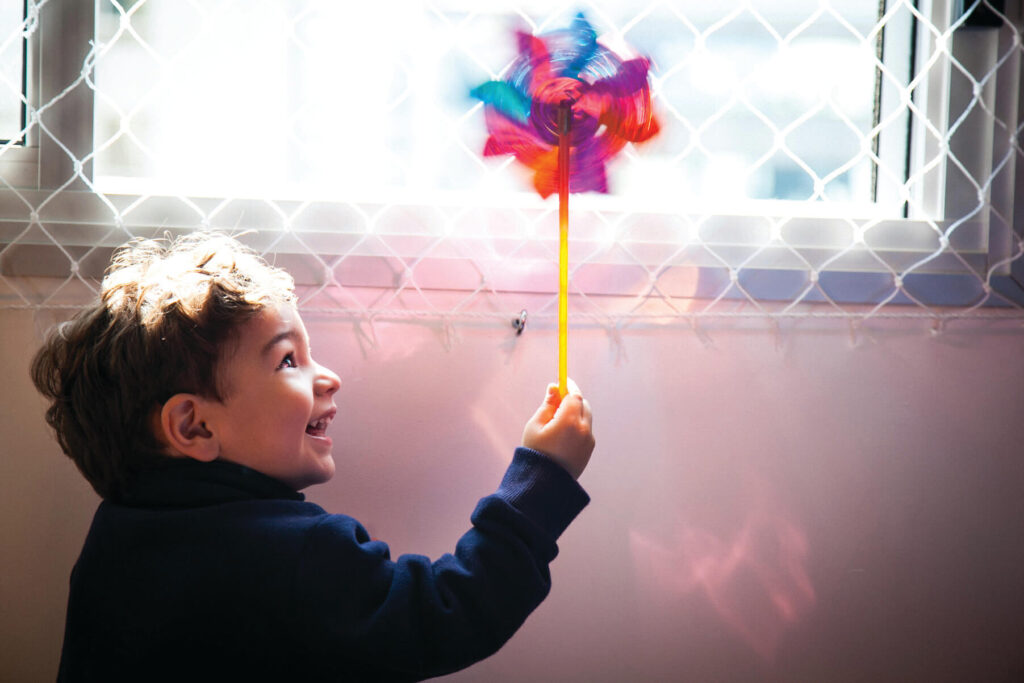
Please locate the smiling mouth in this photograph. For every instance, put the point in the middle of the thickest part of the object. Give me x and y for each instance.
(318, 427)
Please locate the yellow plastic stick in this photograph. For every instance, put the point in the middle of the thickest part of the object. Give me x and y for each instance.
(564, 119)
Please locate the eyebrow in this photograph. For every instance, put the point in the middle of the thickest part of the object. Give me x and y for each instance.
(293, 335)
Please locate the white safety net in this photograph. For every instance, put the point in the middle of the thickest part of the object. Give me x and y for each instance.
(817, 158)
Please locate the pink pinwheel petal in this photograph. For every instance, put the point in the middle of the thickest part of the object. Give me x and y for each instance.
(593, 103)
(509, 137)
(539, 59)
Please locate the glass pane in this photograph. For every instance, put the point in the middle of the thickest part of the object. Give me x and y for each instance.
(12, 69)
(370, 101)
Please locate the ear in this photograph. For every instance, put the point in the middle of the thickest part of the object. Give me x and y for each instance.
(185, 431)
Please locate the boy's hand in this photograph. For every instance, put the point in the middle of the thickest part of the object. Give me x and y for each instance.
(562, 429)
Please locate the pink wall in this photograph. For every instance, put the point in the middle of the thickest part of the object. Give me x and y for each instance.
(797, 506)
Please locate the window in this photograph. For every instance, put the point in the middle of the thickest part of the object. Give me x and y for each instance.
(13, 65)
(349, 101)
(813, 151)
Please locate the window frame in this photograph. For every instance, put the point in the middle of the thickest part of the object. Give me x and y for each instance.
(43, 174)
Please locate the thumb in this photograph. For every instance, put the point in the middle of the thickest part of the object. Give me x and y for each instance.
(549, 407)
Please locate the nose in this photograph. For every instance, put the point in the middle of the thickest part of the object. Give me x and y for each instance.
(327, 382)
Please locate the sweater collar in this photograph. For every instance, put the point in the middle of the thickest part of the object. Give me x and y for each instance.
(184, 482)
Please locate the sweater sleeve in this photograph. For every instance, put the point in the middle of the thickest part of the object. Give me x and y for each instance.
(373, 618)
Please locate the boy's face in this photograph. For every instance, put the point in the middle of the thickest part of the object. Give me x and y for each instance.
(278, 402)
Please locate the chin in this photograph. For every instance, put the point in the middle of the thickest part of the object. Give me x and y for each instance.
(321, 475)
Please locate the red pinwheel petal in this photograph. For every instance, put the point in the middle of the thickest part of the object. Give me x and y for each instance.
(622, 102)
(631, 119)
(630, 124)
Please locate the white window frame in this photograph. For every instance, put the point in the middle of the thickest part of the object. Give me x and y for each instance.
(987, 248)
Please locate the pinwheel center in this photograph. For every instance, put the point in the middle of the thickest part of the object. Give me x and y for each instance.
(547, 99)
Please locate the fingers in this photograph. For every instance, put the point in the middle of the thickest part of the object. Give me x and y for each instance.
(549, 407)
(572, 407)
(587, 414)
(554, 400)
(576, 400)
(575, 416)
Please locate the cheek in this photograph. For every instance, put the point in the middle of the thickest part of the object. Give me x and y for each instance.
(274, 412)
(294, 408)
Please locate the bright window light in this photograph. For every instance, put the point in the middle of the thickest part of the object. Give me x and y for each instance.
(12, 70)
(369, 102)
(834, 152)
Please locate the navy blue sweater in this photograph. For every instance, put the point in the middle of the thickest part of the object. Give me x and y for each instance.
(212, 571)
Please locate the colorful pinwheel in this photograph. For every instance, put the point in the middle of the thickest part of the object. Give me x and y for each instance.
(567, 105)
(610, 101)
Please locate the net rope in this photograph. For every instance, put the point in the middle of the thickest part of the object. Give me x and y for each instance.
(388, 236)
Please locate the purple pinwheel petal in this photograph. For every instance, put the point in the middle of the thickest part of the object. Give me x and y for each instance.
(589, 179)
(587, 167)
(630, 79)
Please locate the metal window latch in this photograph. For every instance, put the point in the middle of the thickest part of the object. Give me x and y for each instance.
(520, 323)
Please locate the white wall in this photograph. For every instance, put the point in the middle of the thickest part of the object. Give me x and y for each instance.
(796, 506)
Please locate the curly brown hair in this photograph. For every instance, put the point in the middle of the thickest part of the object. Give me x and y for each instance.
(167, 311)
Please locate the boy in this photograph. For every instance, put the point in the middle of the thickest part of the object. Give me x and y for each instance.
(189, 399)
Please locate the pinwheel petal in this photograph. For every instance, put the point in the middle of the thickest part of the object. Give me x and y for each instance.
(536, 53)
(545, 179)
(586, 174)
(631, 121)
(509, 137)
(629, 80)
(587, 166)
(585, 46)
(505, 98)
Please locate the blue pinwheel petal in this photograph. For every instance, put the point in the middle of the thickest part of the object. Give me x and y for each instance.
(585, 47)
(505, 98)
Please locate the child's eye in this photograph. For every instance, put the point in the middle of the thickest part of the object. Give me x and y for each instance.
(288, 362)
